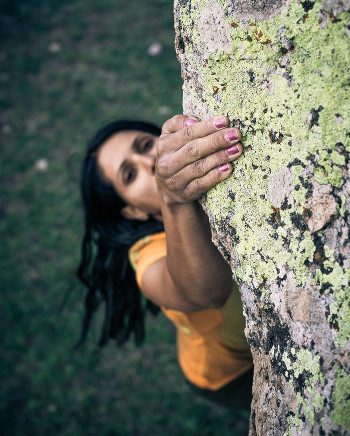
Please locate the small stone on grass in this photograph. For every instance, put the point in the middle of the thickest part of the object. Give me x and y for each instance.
(41, 165)
(55, 47)
(155, 49)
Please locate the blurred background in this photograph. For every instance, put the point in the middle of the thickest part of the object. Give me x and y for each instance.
(67, 68)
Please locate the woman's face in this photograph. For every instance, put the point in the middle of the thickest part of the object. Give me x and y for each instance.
(127, 161)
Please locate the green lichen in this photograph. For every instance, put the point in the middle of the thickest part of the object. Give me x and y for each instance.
(342, 209)
(219, 205)
(187, 21)
(233, 100)
(304, 363)
(285, 84)
(341, 397)
(257, 99)
(294, 424)
(339, 310)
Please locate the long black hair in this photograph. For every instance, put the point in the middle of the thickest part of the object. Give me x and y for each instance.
(105, 269)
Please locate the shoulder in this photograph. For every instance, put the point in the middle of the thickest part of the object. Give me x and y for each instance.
(145, 252)
(148, 258)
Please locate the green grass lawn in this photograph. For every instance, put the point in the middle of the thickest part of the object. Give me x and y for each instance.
(66, 68)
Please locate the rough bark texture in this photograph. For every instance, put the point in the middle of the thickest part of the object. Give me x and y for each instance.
(280, 70)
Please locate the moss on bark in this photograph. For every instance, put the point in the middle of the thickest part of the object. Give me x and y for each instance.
(282, 218)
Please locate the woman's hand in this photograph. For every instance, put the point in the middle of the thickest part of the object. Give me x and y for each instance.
(192, 156)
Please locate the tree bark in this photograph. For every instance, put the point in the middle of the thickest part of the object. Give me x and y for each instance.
(280, 70)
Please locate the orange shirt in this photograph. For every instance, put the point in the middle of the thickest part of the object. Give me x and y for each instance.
(212, 348)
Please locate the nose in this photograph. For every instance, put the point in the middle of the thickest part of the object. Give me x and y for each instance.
(147, 162)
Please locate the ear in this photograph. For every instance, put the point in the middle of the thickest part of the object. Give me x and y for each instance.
(133, 213)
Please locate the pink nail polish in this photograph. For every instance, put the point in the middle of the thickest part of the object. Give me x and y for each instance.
(220, 122)
(231, 135)
(189, 122)
(232, 150)
(223, 168)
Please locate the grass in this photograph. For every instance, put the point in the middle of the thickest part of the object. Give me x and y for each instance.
(66, 68)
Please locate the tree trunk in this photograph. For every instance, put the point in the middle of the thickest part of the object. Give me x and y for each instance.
(280, 70)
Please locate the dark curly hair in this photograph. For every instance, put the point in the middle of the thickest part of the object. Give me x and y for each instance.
(105, 269)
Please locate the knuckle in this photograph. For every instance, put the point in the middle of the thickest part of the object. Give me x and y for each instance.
(198, 184)
(173, 183)
(194, 190)
(213, 179)
(173, 124)
(188, 131)
(198, 187)
(187, 194)
(166, 125)
(177, 118)
(199, 167)
(193, 149)
(218, 141)
(165, 145)
(223, 157)
(160, 145)
(163, 166)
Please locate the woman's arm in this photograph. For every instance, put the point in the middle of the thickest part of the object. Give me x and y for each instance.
(190, 161)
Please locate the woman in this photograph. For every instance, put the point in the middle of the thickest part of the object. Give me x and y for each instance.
(137, 182)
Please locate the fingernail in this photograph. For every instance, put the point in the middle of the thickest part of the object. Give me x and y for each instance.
(232, 150)
(223, 168)
(189, 122)
(231, 135)
(220, 122)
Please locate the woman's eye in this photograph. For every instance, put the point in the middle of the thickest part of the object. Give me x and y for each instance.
(147, 146)
(130, 175)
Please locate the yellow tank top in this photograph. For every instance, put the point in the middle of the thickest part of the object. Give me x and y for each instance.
(212, 348)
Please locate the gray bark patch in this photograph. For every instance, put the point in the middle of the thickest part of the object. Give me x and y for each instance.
(337, 6)
(280, 187)
(214, 30)
(255, 9)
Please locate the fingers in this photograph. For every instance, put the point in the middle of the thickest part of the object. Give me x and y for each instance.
(225, 139)
(203, 184)
(199, 168)
(181, 135)
(193, 156)
(201, 175)
(176, 123)
(223, 142)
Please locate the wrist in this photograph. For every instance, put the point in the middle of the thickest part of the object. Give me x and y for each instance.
(186, 216)
(169, 198)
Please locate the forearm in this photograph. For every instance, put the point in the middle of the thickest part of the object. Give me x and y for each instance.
(192, 158)
(197, 269)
